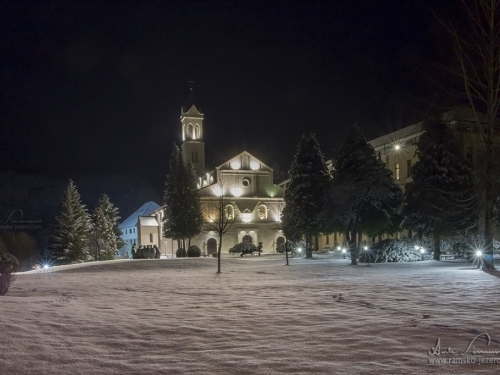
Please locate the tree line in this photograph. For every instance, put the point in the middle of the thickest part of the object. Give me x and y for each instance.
(360, 196)
(80, 236)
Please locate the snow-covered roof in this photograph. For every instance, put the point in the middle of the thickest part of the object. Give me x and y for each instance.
(146, 209)
(148, 221)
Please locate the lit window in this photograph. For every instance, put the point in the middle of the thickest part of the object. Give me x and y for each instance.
(262, 212)
(396, 171)
(190, 131)
(246, 216)
(197, 132)
(229, 212)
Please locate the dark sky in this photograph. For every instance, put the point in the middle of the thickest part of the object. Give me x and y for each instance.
(97, 86)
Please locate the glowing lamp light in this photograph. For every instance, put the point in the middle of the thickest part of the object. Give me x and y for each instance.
(235, 164)
(422, 250)
(246, 217)
(236, 192)
(366, 248)
(338, 247)
(299, 249)
(254, 166)
(479, 253)
(417, 247)
(344, 251)
(397, 147)
(46, 266)
(218, 191)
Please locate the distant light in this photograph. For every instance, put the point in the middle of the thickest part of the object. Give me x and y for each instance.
(236, 192)
(366, 247)
(417, 247)
(422, 250)
(338, 247)
(344, 251)
(299, 249)
(397, 147)
(218, 191)
(46, 266)
(479, 253)
(254, 166)
(235, 164)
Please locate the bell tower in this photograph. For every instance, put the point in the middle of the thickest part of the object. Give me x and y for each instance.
(193, 147)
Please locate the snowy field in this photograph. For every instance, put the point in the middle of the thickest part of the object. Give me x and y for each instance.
(177, 316)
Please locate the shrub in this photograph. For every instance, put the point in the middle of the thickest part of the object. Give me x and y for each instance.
(180, 253)
(392, 250)
(194, 252)
(8, 266)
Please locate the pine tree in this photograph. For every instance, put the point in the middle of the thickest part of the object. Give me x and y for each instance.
(183, 218)
(441, 199)
(305, 193)
(364, 197)
(71, 233)
(105, 238)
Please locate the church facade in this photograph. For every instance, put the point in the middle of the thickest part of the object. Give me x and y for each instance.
(240, 193)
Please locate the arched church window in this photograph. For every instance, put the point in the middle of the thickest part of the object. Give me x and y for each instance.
(229, 212)
(190, 131)
(197, 132)
(262, 212)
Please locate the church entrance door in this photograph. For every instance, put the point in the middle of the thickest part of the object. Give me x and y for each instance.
(211, 246)
(247, 238)
(279, 241)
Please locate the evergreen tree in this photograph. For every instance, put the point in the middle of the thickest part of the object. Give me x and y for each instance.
(305, 193)
(441, 198)
(183, 218)
(71, 233)
(364, 197)
(105, 238)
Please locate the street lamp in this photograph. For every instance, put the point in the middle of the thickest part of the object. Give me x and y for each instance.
(479, 255)
(365, 248)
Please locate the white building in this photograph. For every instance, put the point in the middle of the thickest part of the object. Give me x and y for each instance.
(130, 229)
(253, 203)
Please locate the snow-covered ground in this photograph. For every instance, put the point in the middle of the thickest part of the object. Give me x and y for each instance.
(177, 316)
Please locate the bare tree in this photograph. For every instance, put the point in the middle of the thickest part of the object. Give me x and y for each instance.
(219, 214)
(477, 48)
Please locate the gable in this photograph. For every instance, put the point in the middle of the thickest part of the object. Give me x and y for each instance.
(245, 161)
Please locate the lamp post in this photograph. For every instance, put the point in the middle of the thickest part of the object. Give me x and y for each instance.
(422, 252)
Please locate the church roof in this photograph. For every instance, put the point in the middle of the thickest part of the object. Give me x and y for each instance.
(148, 221)
(144, 210)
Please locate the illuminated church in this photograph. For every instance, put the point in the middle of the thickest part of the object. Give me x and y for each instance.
(253, 203)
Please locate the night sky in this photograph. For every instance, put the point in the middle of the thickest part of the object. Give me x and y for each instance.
(96, 87)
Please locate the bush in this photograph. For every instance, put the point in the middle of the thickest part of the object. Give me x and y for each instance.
(392, 250)
(180, 253)
(8, 266)
(194, 252)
